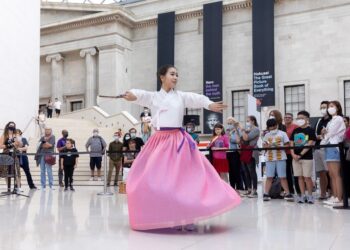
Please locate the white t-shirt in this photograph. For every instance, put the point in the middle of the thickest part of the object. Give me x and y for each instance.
(57, 105)
(276, 140)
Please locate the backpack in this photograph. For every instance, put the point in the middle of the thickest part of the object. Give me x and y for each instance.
(276, 188)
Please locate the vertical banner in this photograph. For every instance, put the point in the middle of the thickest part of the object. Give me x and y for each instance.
(263, 52)
(212, 61)
(166, 40)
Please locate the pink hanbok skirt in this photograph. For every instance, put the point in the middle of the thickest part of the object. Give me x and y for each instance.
(171, 183)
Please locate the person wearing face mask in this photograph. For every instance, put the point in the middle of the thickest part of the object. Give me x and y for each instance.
(276, 159)
(334, 134)
(115, 158)
(304, 135)
(319, 161)
(249, 159)
(190, 129)
(233, 130)
(23, 159)
(138, 140)
(146, 128)
(96, 145)
(61, 145)
(9, 143)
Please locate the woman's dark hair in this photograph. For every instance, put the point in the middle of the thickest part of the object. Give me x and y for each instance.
(218, 125)
(278, 116)
(339, 108)
(6, 130)
(347, 118)
(324, 102)
(125, 136)
(271, 123)
(163, 70)
(253, 119)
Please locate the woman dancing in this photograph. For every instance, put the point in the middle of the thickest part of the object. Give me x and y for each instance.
(171, 183)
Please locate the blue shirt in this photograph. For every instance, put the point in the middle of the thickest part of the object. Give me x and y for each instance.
(234, 139)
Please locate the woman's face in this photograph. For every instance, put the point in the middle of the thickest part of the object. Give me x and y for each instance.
(69, 144)
(132, 146)
(218, 131)
(169, 80)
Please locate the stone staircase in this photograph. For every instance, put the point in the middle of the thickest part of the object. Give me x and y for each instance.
(80, 131)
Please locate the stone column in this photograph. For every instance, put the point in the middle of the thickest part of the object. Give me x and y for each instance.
(56, 61)
(90, 76)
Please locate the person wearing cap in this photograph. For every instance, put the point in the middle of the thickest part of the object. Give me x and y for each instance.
(115, 158)
(96, 145)
(275, 159)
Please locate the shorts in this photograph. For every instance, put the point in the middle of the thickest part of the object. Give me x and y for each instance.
(272, 166)
(303, 168)
(319, 160)
(332, 154)
(58, 111)
(95, 162)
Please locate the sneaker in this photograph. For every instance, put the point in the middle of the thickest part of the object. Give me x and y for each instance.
(65, 189)
(330, 201)
(33, 187)
(246, 193)
(266, 197)
(322, 198)
(72, 189)
(61, 184)
(300, 199)
(310, 199)
(91, 178)
(43, 188)
(52, 188)
(99, 179)
(289, 197)
(253, 195)
(95, 178)
(116, 184)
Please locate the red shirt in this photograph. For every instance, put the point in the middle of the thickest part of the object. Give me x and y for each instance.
(290, 130)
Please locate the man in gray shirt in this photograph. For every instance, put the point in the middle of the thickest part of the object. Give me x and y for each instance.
(47, 146)
(96, 145)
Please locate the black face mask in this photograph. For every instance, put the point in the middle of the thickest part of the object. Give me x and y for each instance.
(12, 129)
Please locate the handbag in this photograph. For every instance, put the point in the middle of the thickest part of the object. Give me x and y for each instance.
(50, 159)
(246, 155)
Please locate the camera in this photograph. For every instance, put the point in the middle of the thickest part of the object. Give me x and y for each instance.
(10, 143)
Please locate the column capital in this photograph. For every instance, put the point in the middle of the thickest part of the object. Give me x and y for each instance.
(91, 51)
(57, 57)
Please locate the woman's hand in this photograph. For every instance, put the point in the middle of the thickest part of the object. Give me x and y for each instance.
(129, 96)
(217, 107)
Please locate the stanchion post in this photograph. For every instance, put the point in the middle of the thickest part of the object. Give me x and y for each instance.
(342, 169)
(105, 192)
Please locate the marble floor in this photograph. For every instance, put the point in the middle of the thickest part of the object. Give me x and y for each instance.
(83, 220)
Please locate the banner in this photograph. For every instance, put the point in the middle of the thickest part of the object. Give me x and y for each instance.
(212, 61)
(263, 52)
(166, 40)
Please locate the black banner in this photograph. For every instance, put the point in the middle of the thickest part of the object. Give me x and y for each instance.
(212, 61)
(166, 40)
(263, 52)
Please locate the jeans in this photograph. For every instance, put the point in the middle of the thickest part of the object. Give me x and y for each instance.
(68, 175)
(250, 174)
(234, 170)
(44, 167)
(24, 163)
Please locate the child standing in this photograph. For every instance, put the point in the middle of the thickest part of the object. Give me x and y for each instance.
(276, 159)
(220, 141)
(304, 135)
(69, 162)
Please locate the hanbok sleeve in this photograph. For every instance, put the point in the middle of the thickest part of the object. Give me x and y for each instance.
(144, 98)
(194, 100)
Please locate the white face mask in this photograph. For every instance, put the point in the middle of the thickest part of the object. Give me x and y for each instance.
(272, 117)
(19, 138)
(323, 112)
(248, 125)
(133, 135)
(116, 138)
(95, 133)
(189, 130)
(229, 127)
(274, 131)
(332, 110)
(300, 122)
